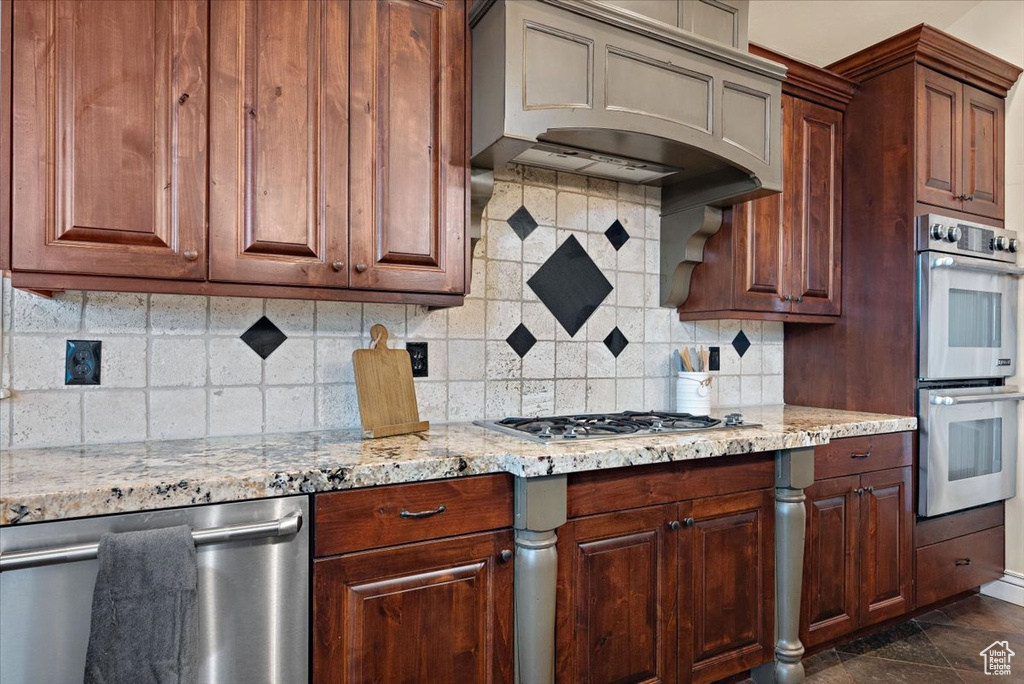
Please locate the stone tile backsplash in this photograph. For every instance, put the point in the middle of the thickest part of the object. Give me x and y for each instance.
(175, 367)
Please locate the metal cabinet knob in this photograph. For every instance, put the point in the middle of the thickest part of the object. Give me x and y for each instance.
(799, 299)
(688, 522)
(674, 525)
(337, 265)
(505, 555)
(869, 490)
(190, 254)
(858, 491)
(361, 267)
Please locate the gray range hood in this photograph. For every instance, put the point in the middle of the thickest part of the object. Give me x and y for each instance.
(595, 89)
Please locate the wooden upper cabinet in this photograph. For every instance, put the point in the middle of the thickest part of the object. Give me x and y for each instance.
(437, 611)
(939, 135)
(279, 126)
(814, 211)
(109, 138)
(886, 519)
(727, 587)
(409, 164)
(616, 599)
(780, 257)
(960, 145)
(984, 152)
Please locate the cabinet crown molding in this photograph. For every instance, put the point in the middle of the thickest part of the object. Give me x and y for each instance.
(809, 82)
(933, 48)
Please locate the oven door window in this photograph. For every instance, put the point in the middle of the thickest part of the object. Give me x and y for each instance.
(975, 318)
(975, 448)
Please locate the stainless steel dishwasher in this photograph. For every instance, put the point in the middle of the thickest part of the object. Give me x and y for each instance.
(253, 561)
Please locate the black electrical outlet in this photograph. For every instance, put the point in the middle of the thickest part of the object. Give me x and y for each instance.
(714, 359)
(418, 356)
(82, 362)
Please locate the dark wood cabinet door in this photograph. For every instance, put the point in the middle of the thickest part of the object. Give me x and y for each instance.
(939, 139)
(760, 254)
(728, 584)
(828, 606)
(814, 211)
(408, 212)
(617, 598)
(886, 526)
(109, 137)
(983, 155)
(278, 117)
(437, 611)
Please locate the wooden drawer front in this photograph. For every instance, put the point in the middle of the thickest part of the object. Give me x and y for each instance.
(956, 565)
(370, 518)
(603, 491)
(935, 530)
(854, 455)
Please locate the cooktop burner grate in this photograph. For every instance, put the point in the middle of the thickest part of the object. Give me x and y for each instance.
(607, 425)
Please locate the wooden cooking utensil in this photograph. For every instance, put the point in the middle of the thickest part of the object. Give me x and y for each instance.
(387, 397)
(687, 362)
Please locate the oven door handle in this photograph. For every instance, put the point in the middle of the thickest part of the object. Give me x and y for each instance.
(940, 400)
(1001, 269)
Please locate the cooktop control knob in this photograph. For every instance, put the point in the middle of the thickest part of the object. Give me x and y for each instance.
(1002, 244)
(1014, 245)
(938, 231)
(953, 234)
(734, 419)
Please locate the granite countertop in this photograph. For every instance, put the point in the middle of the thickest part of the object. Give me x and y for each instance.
(53, 484)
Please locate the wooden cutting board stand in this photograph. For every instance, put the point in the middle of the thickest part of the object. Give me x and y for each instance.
(387, 396)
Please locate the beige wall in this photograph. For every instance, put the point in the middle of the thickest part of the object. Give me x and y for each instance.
(998, 26)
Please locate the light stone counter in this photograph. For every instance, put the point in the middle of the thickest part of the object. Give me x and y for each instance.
(52, 484)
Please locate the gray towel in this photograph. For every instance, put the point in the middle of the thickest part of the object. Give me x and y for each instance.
(145, 624)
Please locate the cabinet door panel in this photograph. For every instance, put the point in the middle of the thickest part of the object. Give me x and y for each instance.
(886, 522)
(109, 137)
(983, 153)
(617, 598)
(409, 166)
(760, 254)
(815, 205)
(730, 591)
(828, 608)
(939, 133)
(278, 116)
(433, 612)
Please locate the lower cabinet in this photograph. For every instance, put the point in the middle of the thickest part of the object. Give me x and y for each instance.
(439, 611)
(858, 554)
(679, 592)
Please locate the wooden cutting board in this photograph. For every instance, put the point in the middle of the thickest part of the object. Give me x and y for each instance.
(387, 396)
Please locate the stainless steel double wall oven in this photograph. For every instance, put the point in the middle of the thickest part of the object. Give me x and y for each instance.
(968, 316)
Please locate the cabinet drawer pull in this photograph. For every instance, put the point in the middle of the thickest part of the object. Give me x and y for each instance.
(190, 254)
(674, 525)
(969, 198)
(786, 298)
(506, 555)
(866, 454)
(799, 299)
(688, 522)
(858, 491)
(337, 265)
(361, 267)
(869, 490)
(963, 561)
(423, 514)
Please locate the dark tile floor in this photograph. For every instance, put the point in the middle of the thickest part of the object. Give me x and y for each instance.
(940, 647)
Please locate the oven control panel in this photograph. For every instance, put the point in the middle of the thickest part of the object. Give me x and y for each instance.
(956, 236)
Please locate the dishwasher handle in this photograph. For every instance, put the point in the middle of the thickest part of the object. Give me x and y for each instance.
(282, 527)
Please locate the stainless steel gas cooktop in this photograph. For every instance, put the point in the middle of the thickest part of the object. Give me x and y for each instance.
(591, 426)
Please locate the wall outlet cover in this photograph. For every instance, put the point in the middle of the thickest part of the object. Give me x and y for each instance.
(714, 358)
(419, 357)
(82, 362)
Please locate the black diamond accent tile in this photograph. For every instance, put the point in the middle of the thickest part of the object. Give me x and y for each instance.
(616, 342)
(264, 337)
(616, 235)
(522, 223)
(571, 285)
(521, 340)
(740, 343)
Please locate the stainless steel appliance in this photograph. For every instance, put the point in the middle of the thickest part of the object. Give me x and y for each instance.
(967, 299)
(253, 561)
(967, 325)
(592, 426)
(969, 449)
